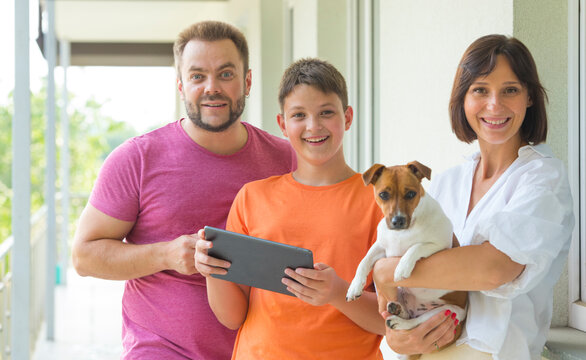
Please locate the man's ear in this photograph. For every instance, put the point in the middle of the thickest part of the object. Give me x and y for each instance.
(248, 82)
(180, 89)
(282, 126)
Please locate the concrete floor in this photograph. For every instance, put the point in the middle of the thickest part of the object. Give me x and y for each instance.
(87, 321)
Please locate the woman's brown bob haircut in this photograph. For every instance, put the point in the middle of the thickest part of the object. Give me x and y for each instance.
(314, 72)
(479, 60)
(210, 31)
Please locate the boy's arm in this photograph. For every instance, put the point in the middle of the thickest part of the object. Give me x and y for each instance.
(321, 285)
(228, 301)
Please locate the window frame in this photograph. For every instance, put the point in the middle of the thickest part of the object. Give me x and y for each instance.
(576, 152)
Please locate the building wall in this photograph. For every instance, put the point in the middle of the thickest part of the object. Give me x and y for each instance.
(421, 43)
(542, 25)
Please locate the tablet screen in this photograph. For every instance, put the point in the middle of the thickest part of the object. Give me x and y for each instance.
(256, 262)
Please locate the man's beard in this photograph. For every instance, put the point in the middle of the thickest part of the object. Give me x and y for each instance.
(194, 112)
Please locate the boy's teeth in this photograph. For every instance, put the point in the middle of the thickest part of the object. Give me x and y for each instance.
(316, 140)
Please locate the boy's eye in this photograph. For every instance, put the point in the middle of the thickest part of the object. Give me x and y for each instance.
(410, 195)
(196, 76)
(326, 113)
(384, 195)
(298, 115)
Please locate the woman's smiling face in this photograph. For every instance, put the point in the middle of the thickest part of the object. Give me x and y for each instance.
(495, 105)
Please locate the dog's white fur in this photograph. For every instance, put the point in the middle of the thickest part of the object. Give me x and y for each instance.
(430, 231)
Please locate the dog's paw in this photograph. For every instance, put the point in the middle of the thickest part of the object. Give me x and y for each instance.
(394, 308)
(403, 271)
(354, 291)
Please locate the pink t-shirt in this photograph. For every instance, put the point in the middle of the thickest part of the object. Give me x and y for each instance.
(170, 186)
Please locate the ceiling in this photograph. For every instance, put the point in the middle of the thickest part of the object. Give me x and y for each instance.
(134, 32)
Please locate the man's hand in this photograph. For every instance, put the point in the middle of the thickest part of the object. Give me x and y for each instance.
(179, 254)
(205, 264)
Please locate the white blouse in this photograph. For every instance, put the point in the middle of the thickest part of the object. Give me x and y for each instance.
(528, 215)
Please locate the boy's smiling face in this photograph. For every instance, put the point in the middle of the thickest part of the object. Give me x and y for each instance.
(315, 123)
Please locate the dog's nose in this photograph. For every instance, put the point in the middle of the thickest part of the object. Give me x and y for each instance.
(398, 222)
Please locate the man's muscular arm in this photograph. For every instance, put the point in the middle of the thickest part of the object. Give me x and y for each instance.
(98, 250)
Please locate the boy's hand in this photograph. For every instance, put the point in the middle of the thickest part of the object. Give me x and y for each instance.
(205, 264)
(318, 286)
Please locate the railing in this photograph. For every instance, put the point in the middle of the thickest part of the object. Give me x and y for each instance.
(38, 283)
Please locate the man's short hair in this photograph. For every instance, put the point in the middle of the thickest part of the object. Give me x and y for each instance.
(314, 72)
(210, 31)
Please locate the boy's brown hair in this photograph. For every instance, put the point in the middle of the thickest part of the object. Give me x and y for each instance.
(480, 60)
(314, 72)
(210, 31)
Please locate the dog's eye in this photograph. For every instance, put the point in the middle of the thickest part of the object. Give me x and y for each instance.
(410, 195)
(384, 196)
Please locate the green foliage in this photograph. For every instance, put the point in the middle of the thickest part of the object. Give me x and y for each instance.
(92, 136)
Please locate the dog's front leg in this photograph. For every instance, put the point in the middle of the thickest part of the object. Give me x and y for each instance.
(414, 253)
(375, 253)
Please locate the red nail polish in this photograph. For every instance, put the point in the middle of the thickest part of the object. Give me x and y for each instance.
(455, 330)
(453, 315)
(456, 322)
(447, 312)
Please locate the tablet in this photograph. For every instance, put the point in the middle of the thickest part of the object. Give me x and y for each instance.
(256, 262)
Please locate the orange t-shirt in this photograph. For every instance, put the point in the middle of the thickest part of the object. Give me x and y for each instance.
(338, 224)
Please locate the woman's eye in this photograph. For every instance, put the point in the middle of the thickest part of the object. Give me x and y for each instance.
(480, 91)
(410, 195)
(511, 91)
(384, 195)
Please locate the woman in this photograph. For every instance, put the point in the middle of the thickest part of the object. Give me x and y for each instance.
(511, 208)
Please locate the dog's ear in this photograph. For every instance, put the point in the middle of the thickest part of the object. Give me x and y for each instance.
(419, 170)
(371, 175)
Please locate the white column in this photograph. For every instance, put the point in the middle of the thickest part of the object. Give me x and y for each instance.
(65, 54)
(21, 186)
(50, 173)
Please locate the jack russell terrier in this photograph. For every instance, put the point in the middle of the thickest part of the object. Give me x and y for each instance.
(414, 227)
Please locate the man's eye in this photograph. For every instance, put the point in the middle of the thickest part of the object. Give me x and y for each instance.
(226, 74)
(196, 76)
(410, 195)
(384, 195)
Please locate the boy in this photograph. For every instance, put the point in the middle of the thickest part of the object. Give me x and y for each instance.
(323, 206)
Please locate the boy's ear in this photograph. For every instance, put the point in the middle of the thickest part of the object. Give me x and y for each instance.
(349, 116)
(281, 122)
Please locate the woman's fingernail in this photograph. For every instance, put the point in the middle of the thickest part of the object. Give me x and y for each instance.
(455, 330)
(447, 312)
(456, 322)
(453, 315)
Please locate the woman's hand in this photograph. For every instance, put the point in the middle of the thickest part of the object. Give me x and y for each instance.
(318, 286)
(383, 274)
(429, 336)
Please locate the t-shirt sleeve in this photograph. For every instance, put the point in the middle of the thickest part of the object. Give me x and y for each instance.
(236, 221)
(533, 229)
(116, 190)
